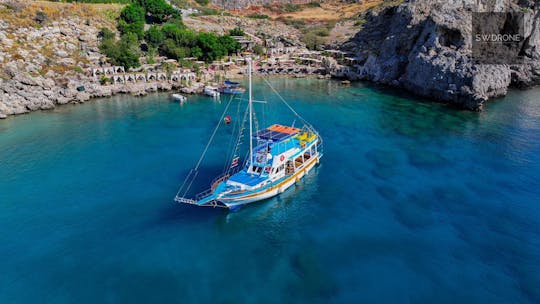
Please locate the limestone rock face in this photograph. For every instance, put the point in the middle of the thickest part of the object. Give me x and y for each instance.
(425, 46)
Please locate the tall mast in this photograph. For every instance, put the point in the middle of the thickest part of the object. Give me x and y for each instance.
(250, 115)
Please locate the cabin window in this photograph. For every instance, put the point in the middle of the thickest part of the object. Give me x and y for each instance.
(256, 169)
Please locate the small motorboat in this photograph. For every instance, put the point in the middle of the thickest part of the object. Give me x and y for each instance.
(211, 91)
(232, 88)
(179, 97)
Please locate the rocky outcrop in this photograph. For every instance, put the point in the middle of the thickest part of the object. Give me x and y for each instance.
(42, 64)
(425, 46)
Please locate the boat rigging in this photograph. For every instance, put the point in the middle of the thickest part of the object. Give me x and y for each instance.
(282, 156)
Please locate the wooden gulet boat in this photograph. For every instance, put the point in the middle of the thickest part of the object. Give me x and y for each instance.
(280, 157)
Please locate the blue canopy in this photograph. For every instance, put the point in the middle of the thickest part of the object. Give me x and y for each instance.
(246, 178)
(272, 135)
(231, 83)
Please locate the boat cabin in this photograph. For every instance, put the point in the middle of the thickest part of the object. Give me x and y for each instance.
(280, 151)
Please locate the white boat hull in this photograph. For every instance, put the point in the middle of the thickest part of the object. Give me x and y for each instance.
(301, 173)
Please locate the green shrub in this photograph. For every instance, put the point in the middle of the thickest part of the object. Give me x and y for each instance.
(207, 11)
(41, 18)
(158, 10)
(312, 41)
(124, 52)
(237, 32)
(104, 80)
(106, 33)
(196, 52)
(132, 20)
(289, 8)
(258, 49)
(153, 36)
(211, 49)
(258, 16)
(296, 23)
(97, 1)
(229, 45)
(180, 35)
(202, 2)
(313, 4)
(360, 22)
(170, 49)
(180, 3)
(320, 31)
(78, 69)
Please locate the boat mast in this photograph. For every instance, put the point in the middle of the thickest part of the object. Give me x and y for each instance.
(250, 115)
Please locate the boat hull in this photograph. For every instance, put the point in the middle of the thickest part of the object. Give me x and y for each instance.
(274, 190)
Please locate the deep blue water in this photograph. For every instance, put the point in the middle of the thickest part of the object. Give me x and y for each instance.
(413, 203)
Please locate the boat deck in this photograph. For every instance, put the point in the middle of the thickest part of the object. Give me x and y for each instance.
(248, 179)
(278, 140)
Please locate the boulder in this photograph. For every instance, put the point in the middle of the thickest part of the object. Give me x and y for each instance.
(61, 53)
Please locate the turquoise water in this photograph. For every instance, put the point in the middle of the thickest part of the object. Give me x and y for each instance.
(413, 203)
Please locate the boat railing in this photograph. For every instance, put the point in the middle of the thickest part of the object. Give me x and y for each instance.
(215, 183)
(204, 194)
(310, 129)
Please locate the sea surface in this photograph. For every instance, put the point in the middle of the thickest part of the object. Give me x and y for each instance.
(413, 202)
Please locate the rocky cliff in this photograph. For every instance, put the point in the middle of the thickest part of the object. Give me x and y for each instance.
(46, 52)
(425, 46)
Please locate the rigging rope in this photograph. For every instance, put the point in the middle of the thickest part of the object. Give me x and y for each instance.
(287, 104)
(213, 134)
(310, 127)
(238, 124)
(196, 169)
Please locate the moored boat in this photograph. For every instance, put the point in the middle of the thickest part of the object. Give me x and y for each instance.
(179, 97)
(211, 91)
(232, 88)
(279, 156)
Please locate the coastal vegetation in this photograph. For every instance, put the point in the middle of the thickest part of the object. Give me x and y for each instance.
(258, 16)
(237, 31)
(95, 1)
(167, 36)
(202, 2)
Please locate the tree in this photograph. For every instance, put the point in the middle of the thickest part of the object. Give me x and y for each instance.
(153, 36)
(180, 35)
(123, 52)
(132, 20)
(132, 13)
(170, 49)
(196, 52)
(211, 49)
(230, 45)
(129, 54)
(159, 10)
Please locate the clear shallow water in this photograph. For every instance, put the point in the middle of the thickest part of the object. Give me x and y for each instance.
(413, 203)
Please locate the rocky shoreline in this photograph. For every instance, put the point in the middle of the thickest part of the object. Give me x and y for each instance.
(425, 46)
(422, 46)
